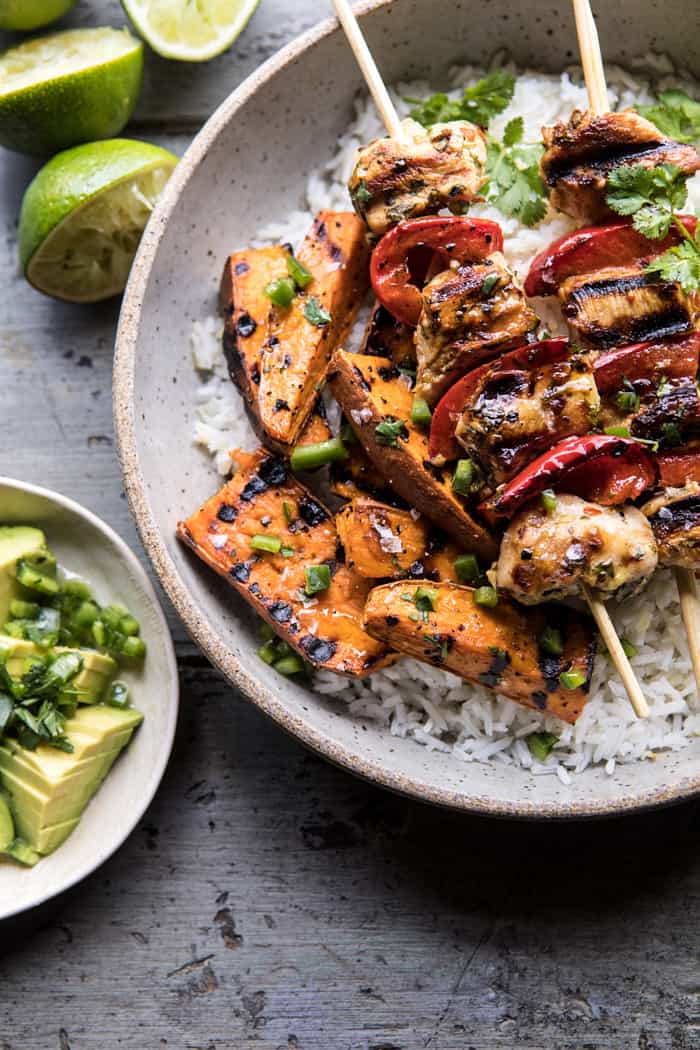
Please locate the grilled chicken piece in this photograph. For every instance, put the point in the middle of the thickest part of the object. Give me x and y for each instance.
(516, 413)
(469, 315)
(301, 339)
(550, 555)
(381, 542)
(497, 647)
(620, 305)
(670, 415)
(420, 173)
(580, 154)
(246, 310)
(377, 402)
(263, 498)
(674, 515)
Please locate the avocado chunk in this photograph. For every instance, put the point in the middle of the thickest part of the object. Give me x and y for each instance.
(91, 681)
(49, 789)
(16, 542)
(7, 825)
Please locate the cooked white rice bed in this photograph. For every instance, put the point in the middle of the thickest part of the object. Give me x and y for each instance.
(433, 707)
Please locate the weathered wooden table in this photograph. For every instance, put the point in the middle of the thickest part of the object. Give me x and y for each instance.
(269, 900)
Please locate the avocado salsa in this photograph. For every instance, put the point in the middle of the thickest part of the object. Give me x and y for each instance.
(64, 715)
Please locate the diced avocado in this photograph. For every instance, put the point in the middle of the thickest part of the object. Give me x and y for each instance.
(22, 853)
(7, 825)
(16, 542)
(49, 789)
(91, 681)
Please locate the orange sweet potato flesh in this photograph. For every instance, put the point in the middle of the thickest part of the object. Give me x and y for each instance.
(326, 629)
(492, 647)
(358, 476)
(369, 389)
(246, 311)
(296, 353)
(380, 542)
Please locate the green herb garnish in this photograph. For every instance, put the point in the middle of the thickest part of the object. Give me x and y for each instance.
(478, 104)
(390, 430)
(627, 400)
(676, 115)
(424, 599)
(298, 272)
(514, 184)
(316, 314)
(551, 641)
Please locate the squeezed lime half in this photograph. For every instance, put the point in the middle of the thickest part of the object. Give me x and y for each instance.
(83, 215)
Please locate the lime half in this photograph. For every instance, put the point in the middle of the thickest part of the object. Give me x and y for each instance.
(83, 215)
(23, 15)
(187, 30)
(69, 87)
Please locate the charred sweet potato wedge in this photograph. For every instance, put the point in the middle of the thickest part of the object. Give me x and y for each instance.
(263, 499)
(496, 647)
(302, 337)
(380, 542)
(246, 311)
(371, 391)
(358, 476)
(386, 337)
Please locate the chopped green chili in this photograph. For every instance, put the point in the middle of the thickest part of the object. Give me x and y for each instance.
(548, 500)
(298, 272)
(261, 542)
(467, 568)
(551, 641)
(572, 679)
(281, 292)
(317, 578)
(463, 477)
(487, 596)
(420, 412)
(541, 744)
(310, 457)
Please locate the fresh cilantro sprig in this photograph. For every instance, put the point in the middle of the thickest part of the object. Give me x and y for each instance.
(479, 104)
(676, 115)
(34, 708)
(649, 195)
(652, 196)
(513, 167)
(513, 182)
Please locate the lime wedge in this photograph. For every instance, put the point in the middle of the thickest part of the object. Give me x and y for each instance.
(83, 215)
(190, 32)
(23, 15)
(69, 87)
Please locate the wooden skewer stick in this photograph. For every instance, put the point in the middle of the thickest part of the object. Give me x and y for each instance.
(619, 656)
(368, 67)
(594, 74)
(591, 58)
(690, 612)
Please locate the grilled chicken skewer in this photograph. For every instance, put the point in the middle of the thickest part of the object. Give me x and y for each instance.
(658, 150)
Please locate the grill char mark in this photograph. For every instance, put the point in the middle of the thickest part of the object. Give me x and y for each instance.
(602, 161)
(682, 515)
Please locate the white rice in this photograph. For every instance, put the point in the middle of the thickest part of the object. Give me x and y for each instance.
(434, 707)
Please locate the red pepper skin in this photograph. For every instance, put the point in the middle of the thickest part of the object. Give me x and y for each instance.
(466, 240)
(598, 467)
(443, 443)
(679, 466)
(592, 248)
(672, 358)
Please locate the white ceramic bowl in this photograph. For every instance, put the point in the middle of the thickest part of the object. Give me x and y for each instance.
(246, 167)
(85, 545)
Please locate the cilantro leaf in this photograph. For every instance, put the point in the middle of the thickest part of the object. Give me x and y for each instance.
(479, 104)
(651, 195)
(316, 314)
(679, 265)
(514, 183)
(675, 114)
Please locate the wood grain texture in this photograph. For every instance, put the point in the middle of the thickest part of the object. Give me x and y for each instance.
(269, 901)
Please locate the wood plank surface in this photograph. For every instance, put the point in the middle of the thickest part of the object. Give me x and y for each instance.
(268, 900)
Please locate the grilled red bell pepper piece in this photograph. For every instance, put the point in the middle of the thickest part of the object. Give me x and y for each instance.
(443, 443)
(592, 248)
(672, 358)
(455, 238)
(679, 466)
(598, 467)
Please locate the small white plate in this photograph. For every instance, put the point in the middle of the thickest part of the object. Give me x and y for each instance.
(85, 545)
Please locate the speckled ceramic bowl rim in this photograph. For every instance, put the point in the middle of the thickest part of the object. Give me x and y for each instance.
(168, 736)
(193, 618)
